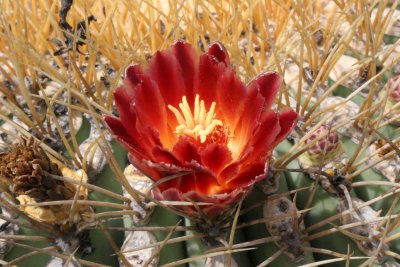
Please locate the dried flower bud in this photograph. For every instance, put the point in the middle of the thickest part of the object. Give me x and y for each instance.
(27, 167)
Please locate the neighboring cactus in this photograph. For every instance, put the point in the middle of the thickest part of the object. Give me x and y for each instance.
(213, 180)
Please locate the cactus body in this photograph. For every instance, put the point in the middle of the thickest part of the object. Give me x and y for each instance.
(327, 195)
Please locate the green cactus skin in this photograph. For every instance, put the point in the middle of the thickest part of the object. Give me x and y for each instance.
(18, 251)
(195, 247)
(370, 192)
(323, 206)
(257, 231)
(99, 240)
(170, 252)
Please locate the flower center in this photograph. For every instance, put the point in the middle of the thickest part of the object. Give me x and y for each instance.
(201, 125)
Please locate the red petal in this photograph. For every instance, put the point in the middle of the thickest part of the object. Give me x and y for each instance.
(220, 202)
(172, 194)
(228, 173)
(115, 126)
(152, 109)
(230, 94)
(209, 72)
(138, 162)
(197, 197)
(287, 121)
(264, 137)
(188, 61)
(201, 181)
(206, 182)
(226, 198)
(215, 157)
(249, 120)
(268, 85)
(186, 151)
(215, 210)
(123, 98)
(170, 174)
(212, 210)
(164, 68)
(218, 51)
(187, 183)
(133, 75)
(163, 155)
(251, 174)
(133, 144)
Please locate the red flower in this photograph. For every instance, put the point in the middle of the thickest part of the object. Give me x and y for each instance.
(189, 114)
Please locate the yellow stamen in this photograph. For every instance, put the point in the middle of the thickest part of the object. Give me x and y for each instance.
(187, 113)
(199, 125)
(177, 114)
(203, 112)
(210, 114)
(197, 108)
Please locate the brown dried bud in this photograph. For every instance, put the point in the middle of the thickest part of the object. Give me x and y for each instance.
(27, 167)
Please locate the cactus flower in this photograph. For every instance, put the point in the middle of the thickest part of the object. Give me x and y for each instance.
(189, 117)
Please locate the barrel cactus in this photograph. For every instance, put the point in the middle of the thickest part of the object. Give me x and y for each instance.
(199, 133)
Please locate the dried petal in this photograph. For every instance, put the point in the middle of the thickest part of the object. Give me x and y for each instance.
(27, 168)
